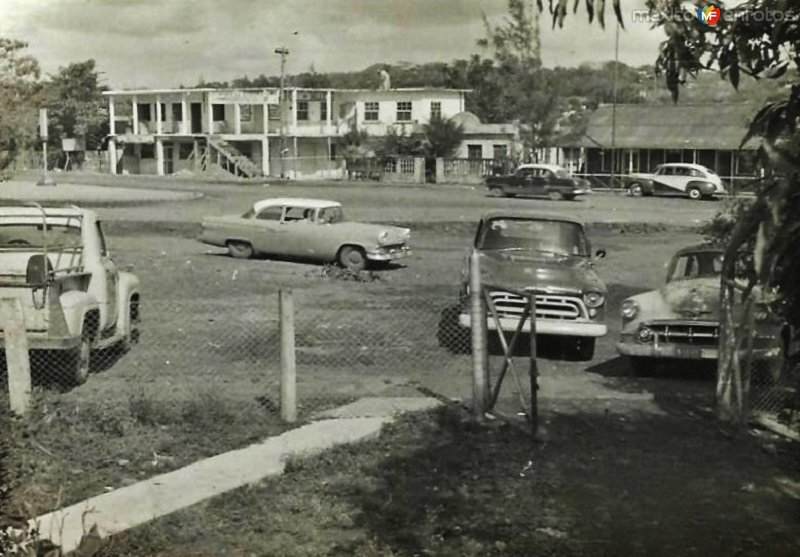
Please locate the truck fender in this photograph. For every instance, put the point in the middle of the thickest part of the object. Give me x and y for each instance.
(77, 306)
(128, 290)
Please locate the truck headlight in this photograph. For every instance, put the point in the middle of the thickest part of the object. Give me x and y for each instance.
(594, 299)
(629, 309)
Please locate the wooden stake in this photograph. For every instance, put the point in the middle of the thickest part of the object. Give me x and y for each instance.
(288, 372)
(17, 361)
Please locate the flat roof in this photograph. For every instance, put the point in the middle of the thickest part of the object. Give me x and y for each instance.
(276, 89)
(295, 201)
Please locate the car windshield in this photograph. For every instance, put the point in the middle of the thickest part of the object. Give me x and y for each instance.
(696, 264)
(330, 215)
(544, 236)
(26, 235)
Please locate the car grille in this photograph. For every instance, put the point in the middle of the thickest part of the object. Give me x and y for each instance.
(548, 306)
(699, 334)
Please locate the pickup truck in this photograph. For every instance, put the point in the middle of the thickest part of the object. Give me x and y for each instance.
(538, 180)
(75, 301)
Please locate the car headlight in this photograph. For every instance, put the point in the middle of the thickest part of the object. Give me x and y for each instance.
(629, 309)
(594, 299)
(644, 334)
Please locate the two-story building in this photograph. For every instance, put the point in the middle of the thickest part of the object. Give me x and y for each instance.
(250, 132)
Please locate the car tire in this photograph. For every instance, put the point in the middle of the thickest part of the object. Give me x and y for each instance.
(352, 258)
(695, 194)
(636, 190)
(555, 195)
(75, 371)
(240, 250)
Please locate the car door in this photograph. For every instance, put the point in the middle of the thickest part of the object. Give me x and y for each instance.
(302, 234)
(664, 179)
(523, 184)
(265, 231)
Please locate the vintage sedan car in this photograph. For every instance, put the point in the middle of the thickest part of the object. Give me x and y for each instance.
(693, 180)
(539, 179)
(681, 319)
(308, 229)
(551, 256)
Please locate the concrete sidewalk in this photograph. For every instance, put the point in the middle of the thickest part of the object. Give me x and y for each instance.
(131, 506)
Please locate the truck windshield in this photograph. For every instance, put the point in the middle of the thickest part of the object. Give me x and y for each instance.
(22, 235)
(548, 236)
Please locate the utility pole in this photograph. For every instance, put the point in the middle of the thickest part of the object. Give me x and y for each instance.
(283, 52)
(614, 110)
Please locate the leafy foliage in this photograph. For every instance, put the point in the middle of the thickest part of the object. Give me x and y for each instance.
(19, 98)
(442, 137)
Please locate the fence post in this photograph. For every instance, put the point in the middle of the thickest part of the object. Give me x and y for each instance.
(17, 361)
(288, 375)
(534, 369)
(480, 355)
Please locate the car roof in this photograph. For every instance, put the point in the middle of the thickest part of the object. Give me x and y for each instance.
(294, 201)
(551, 167)
(531, 215)
(706, 247)
(686, 165)
(50, 211)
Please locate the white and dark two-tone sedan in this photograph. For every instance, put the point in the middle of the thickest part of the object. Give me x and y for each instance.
(311, 229)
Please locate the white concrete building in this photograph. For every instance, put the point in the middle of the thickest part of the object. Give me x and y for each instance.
(249, 133)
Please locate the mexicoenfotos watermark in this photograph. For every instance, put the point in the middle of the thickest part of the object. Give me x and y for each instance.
(711, 15)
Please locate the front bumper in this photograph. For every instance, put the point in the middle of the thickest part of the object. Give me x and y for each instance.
(39, 341)
(684, 352)
(543, 326)
(388, 254)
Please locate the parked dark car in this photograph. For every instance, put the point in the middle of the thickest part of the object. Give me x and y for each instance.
(539, 179)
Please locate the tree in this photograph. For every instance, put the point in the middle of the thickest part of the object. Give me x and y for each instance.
(442, 137)
(19, 99)
(758, 38)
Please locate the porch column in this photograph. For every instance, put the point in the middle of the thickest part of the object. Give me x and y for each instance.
(237, 119)
(328, 113)
(112, 155)
(159, 157)
(158, 115)
(196, 155)
(112, 128)
(294, 157)
(265, 155)
(209, 115)
(265, 117)
(184, 116)
(135, 112)
(294, 111)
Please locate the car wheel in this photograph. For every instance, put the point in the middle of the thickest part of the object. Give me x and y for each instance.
(695, 194)
(495, 192)
(555, 195)
(131, 338)
(636, 190)
(352, 258)
(76, 369)
(240, 250)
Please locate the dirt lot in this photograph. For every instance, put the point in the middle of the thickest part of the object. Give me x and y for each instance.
(204, 378)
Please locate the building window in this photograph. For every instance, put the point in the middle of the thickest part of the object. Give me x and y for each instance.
(177, 112)
(274, 111)
(475, 151)
(143, 112)
(436, 110)
(148, 151)
(246, 113)
(218, 112)
(302, 110)
(406, 165)
(371, 112)
(404, 111)
(323, 111)
(163, 109)
(500, 151)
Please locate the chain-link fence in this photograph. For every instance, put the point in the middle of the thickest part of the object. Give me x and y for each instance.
(775, 391)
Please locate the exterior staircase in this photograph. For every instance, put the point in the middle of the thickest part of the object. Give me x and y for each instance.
(231, 159)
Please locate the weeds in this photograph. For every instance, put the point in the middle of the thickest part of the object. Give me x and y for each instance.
(335, 272)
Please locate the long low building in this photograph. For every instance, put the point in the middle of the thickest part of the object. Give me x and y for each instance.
(641, 136)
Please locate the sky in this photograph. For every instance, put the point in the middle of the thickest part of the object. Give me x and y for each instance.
(167, 43)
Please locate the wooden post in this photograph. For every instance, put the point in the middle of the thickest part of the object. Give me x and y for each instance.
(534, 369)
(17, 362)
(288, 375)
(480, 355)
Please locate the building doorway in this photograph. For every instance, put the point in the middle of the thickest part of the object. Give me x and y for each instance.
(197, 118)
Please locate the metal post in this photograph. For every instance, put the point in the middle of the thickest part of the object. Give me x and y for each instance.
(534, 369)
(283, 51)
(17, 362)
(288, 373)
(480, 354)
